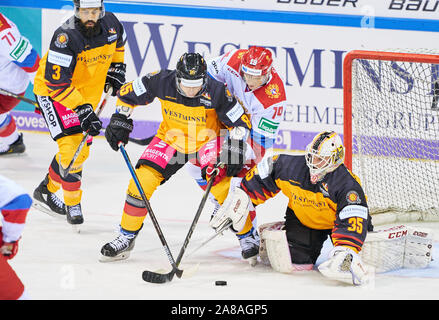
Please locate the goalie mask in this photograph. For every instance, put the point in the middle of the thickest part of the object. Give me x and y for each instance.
(191, 72)
(324, 154)
(89, 4)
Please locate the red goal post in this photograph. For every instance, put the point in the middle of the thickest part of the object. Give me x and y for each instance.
(389, 100)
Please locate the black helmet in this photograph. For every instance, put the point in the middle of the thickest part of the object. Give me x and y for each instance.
(191, 71)
(89, 4)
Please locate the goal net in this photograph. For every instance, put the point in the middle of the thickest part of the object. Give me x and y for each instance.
(391, 131)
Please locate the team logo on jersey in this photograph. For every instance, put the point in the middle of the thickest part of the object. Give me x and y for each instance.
(353, 198)
(61, 40)
(273, 91)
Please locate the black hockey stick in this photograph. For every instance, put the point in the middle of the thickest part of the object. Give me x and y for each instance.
(16, 96)
(154, 278)
(142, 142)
(65, 171)
(160, 277)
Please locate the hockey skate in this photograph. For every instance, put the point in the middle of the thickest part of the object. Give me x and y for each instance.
(47, 201)
(120, 248)
(250, 246)
(17, 147)
(74, 217)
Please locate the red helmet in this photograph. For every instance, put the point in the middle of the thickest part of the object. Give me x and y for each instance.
(257, 61)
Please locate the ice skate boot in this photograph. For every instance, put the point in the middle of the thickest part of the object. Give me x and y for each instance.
(47, 201)
(249, 243)
(74, 217)
(17, 147)
(120, 248)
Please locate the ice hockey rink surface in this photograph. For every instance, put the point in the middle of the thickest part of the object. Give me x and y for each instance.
(54, 262)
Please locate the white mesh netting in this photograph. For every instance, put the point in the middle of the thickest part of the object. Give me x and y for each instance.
(395, 128)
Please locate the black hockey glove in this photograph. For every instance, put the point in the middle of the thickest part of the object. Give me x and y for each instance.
(233, 155)
(88, 119)
(118, 130)
(115, 77)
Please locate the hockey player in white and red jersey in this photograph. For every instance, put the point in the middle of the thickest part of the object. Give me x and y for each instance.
(14, 206)
(18, 65)
(250, 76)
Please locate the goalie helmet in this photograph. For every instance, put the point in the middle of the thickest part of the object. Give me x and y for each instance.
(324, 154)
(191, 71)
(89, 4)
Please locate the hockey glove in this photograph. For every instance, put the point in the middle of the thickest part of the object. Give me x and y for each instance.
(118, 130)
(233, 151)
(8, 249)
(88, 119)
(208, 171)
(115, 77)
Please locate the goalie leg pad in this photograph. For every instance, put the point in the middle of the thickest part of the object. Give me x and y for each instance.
(274, 249)
(418, 248)
(398, 247)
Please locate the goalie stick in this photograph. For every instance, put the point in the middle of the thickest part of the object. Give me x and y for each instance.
(65, 171)
(156, 277)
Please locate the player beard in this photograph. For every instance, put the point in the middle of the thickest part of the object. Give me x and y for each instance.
(90, 28)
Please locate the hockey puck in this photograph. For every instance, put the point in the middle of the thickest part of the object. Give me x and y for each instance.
(220, 283)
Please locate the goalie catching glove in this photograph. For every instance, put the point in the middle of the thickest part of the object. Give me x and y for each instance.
(345, 265)
(234, 208)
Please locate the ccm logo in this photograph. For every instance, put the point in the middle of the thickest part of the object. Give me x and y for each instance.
(399, 234)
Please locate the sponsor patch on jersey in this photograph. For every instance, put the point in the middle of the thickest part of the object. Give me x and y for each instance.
(112, 38)
(352, 197)
(265, 167)
(61, 59)
(235, 113)
(268, 125)
(61, 40)
(273, 91)
(138, 87)
(19, 49)
(353, 211)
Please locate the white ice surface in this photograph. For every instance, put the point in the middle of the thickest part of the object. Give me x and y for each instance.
(56, 263)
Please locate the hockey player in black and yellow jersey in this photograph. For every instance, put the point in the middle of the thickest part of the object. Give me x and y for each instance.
(325, 199)
(85, 55)
(195, 108)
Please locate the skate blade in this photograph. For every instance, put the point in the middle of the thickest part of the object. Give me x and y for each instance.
(253, 261)
(76, 228)
(120, 256)
(46, 210)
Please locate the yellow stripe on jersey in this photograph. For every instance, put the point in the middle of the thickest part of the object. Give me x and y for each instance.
(312, 209)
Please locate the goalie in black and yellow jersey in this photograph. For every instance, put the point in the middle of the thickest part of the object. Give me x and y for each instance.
(196, 110)
(85, 55)
(325, 200)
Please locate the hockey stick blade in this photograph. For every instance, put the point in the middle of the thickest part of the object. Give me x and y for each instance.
(155, 277)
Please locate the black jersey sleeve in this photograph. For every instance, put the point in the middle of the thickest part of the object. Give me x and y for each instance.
(229, 110)
(352, 216)
(140, 91)
(260, 181)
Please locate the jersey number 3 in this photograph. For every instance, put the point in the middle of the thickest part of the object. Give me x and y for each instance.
(56, 72)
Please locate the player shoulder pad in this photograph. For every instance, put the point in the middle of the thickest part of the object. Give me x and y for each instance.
(273, 92)
(235, 57)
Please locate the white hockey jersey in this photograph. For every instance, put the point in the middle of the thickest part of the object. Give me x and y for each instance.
(265, 105)
(18, 59)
